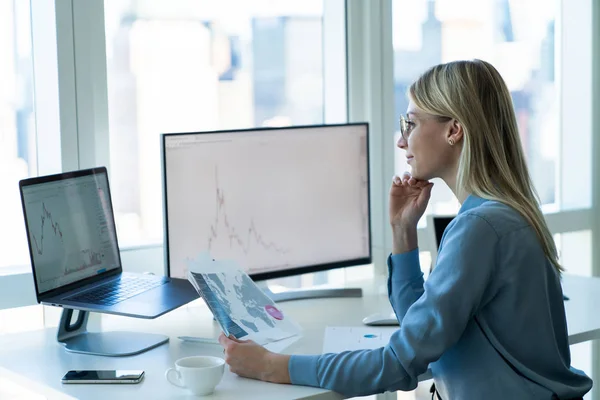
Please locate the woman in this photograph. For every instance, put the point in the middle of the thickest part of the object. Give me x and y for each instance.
(490, 320)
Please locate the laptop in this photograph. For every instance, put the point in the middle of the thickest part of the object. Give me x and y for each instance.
(75, 254)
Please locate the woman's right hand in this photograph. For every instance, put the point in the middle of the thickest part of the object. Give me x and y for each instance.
(408, 201)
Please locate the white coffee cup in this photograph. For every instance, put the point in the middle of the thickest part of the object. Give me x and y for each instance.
(199, 374)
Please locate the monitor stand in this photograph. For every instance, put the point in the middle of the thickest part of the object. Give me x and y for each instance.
(302, 294)
(77, 339)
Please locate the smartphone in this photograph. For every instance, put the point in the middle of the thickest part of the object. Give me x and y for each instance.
(103, 376)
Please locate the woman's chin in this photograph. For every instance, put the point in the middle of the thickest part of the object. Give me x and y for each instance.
(415, 173)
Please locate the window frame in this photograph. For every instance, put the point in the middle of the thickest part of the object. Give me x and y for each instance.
(71, 102)
(595, 210)
(370, 59)
(70, 72)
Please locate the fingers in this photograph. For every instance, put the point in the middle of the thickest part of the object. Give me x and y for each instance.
(400, 181)
(408, 180)
(234, 339)
(426, 192)
(224, 340)
(229, 343)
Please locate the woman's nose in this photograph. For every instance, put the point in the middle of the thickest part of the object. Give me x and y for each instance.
(401, 143)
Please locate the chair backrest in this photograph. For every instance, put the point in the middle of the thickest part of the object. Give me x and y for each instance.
(436, 225)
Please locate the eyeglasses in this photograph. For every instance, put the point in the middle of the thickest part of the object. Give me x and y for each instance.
(406, 126)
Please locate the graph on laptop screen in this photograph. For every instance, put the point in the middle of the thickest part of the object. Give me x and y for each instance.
(279, 201)
(71, 230)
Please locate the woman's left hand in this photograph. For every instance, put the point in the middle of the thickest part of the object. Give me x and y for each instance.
(248, 359)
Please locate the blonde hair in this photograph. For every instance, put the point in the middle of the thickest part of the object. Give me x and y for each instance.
(492, 164)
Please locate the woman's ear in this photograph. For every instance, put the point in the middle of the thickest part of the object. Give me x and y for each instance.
(455, 133)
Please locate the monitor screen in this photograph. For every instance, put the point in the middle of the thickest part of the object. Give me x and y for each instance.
(278, 201)
(71, 230)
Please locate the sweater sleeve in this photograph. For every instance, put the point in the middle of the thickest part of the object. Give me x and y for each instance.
(433, 323)
(405, 281)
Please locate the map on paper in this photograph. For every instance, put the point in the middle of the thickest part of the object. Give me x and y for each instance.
(341, 338)
(240, 307)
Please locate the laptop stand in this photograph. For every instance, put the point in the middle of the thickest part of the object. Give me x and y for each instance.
(76, 338)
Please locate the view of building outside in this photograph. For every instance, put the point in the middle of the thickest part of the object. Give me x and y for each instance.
(517, 37)
(17, 126)
(189, 66)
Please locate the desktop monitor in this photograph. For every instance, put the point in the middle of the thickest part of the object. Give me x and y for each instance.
(279, 201)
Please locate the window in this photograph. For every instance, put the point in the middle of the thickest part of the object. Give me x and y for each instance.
(191, 66)
(575, 251)
(18, 158)
(429, 32)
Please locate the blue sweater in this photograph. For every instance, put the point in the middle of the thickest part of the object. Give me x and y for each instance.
(489, 321)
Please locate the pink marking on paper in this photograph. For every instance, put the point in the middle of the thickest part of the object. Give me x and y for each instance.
(273, 312)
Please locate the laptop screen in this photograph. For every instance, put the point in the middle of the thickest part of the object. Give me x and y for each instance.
(71, 229)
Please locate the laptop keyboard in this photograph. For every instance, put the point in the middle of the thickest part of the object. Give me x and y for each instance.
(118, 290)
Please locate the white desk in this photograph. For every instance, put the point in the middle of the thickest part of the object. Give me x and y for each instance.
(37, 355)
(583, 319)
(17, 387)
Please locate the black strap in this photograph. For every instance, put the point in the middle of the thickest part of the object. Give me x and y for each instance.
(434, 393)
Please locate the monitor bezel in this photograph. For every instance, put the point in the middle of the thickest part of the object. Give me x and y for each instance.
(82, 282)
(261, 276)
